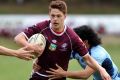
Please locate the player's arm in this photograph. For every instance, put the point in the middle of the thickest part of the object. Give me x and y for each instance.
(7, 52)
(94, 65)
(21, 39)
(20, 53)
(82, 74)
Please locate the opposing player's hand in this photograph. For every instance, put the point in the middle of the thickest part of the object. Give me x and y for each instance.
(36, 67)
(104, 74)
(38, 50)
(22, 53)
(56, 73)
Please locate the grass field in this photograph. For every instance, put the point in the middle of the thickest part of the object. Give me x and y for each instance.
(16, 69)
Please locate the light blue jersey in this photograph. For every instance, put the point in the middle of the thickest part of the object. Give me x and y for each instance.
(103, 58)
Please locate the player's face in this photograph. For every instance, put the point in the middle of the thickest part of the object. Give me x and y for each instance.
(57, 19)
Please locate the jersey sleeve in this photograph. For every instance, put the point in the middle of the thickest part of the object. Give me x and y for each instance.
(79, 46)
(99, 55)
(35, 28)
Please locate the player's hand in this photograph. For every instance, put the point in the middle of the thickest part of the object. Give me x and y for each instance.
(22, 53)
(104, 74)
(56, 73)
(36, 67)
(37, 48)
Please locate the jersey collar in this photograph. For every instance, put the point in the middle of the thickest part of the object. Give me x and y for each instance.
(56, 33)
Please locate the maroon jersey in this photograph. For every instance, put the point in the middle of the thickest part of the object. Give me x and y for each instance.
(58, 46)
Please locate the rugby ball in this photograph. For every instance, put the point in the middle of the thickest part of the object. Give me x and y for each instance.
(38, 39)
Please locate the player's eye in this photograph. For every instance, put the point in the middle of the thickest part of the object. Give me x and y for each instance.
(58, 16)
(52, 16)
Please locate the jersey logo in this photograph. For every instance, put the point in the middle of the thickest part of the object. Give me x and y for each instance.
(64, 47)
(52, 47)
(54, 41)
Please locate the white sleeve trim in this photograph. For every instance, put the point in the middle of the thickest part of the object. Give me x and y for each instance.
(86, 54)
(25, 35)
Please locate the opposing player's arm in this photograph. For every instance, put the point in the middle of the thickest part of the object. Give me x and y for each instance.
(92, 62)
(94, 65)
(20, 53)
(82, 74)
(7, 52)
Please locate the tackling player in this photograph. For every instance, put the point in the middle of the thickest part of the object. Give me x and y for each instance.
(92, 41)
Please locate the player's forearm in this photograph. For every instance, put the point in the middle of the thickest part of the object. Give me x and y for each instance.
(92, 63)
(21, 39)
(7, 52)
(76, 74)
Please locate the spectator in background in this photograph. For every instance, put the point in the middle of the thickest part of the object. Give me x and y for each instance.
(60, 39)
(92, 41)
(101, 29)
(20, 53)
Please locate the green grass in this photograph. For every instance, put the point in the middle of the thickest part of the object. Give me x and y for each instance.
(15, 69)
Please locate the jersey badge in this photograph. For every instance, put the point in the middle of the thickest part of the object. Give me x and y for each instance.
(52, 47)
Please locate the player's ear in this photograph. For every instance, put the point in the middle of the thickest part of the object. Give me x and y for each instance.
(85, 41)
(65, 16)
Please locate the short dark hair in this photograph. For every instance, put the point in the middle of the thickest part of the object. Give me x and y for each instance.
(58, 4)
(85, 32)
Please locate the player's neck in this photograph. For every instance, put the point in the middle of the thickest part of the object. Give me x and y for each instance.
(58, 30)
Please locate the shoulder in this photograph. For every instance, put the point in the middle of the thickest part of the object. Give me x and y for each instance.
(71, 32)
(74, 37)
(43, 24)
(99, 53)
(98, 50)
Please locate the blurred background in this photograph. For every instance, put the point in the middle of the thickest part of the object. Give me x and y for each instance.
(15, 15)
